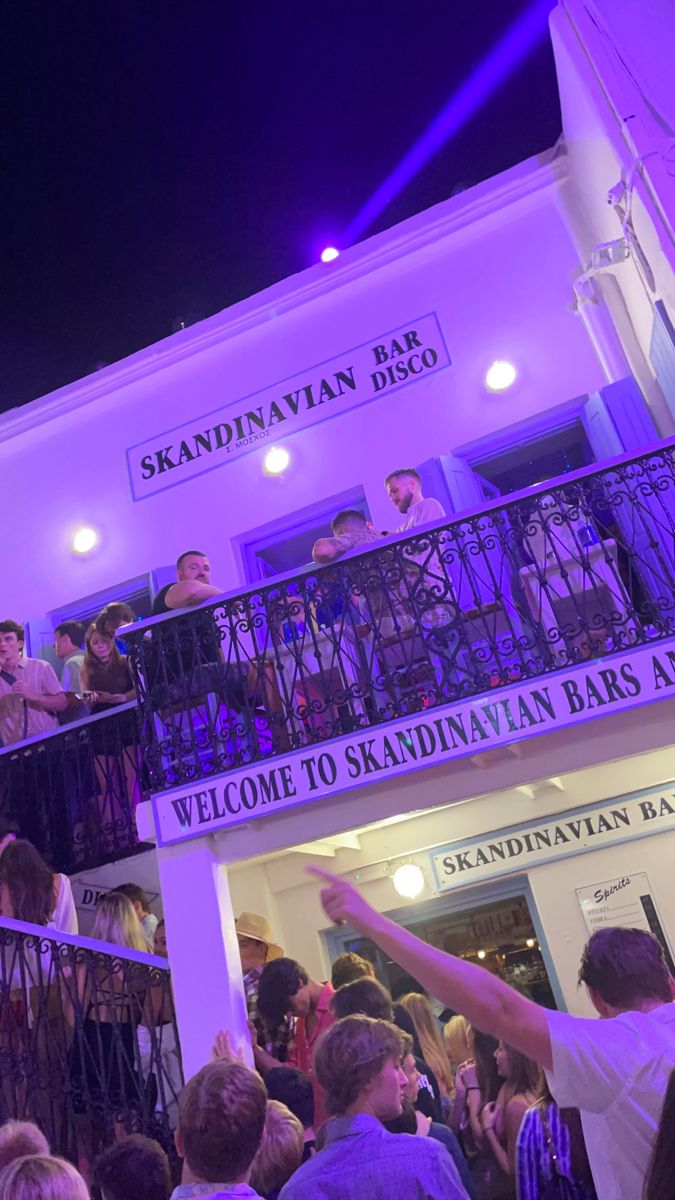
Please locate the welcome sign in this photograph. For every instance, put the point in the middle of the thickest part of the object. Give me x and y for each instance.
(427, 739)
(384, 364)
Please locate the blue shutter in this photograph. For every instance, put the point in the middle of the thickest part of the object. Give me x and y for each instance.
(617, 418)
(452, 481)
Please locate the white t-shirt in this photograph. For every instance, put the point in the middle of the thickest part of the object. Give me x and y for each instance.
(421, 513)
(616, 1072)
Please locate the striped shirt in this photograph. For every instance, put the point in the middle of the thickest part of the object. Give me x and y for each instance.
(534, 1165)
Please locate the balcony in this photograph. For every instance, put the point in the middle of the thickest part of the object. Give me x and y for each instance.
(90, 1047)
(73, 793)
(577, 568)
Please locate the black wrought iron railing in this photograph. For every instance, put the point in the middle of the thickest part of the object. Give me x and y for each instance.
(89, 1045)
(74, 792)
(574, 568)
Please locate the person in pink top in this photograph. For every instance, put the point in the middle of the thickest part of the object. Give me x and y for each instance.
(284, 988)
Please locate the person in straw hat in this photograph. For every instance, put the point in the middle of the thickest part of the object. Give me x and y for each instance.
(256, 950)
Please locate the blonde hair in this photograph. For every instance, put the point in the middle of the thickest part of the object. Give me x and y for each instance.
(429, 1038)
(116, 921)
(456, 1038)
(280, 1151)
(38, 1177)
(19, 1139)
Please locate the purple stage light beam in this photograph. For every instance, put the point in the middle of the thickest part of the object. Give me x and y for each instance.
(518, 42)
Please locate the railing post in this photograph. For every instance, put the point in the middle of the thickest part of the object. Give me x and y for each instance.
(203, 951)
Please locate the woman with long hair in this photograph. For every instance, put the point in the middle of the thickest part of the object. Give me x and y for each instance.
(106, 679)
(430, 1040)
(31, 891)
(660, 1182)
(551, 1144)
(109, 1003)
(38, 1177)
(456, 1038)
(105, 671)
(501, 1119)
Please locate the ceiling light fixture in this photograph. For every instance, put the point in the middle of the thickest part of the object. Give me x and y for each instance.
(329, 254)
(84, 540)
(408, 880)
(276, 461)
(500, 376)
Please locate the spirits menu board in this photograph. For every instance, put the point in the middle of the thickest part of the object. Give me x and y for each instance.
(625, 901)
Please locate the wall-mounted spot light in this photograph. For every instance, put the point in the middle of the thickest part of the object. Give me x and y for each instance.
(408, 880)
(500, 376)
(84, 540)
(530, 943)
(481, 954)
(329, 254)
(276, 460)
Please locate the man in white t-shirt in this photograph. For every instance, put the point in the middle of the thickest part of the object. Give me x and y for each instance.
(404, 488)
(614, 1070)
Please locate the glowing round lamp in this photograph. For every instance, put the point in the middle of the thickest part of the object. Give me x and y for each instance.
(481, 954)
(500, 376)
(530, 943)
(85, 540)
(408, 880)
(329, 253)
(276, 460)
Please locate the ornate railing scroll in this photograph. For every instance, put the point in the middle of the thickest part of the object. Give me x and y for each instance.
(74, 792)
(89, 1045)
(575, 568)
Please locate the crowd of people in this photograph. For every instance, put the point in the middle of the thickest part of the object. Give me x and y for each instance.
(358, 1090)
(95, 674)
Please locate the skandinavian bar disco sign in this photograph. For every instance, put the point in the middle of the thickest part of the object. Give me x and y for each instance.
(382, 365)
(410, 743)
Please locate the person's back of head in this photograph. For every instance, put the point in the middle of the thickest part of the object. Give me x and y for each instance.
(27, 883)
(74, 630)
(349, 1055)
(19, 1139)
(134, 893)
(456, 1038)
(404, 985)
(221, 1116)
(113, 616)
(348, 967)
(348, 521)
(280, 1152)
(293, 1088)
(402, 1019)
(116, 921)
(366, 996)
(624, 969)
(38, 1177)
(135, 1168)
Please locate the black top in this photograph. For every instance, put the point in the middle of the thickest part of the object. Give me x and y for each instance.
(429, 1096)
(159, 604)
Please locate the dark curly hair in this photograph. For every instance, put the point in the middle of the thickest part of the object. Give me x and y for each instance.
(279, 982)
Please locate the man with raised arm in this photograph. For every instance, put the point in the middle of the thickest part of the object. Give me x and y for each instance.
(614, 1070)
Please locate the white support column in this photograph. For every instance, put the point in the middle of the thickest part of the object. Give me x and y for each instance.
(203, 952)
(600, 328)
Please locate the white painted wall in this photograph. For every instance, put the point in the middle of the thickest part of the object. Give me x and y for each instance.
(495, 263)
(612, 132)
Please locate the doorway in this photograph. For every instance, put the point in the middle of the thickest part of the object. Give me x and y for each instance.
(496, 927)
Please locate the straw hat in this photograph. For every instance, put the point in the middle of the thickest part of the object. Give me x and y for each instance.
(258, 929)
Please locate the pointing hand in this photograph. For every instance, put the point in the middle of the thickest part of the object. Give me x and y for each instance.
(341, 901)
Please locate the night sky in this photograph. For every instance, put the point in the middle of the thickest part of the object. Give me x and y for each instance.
(162, 161)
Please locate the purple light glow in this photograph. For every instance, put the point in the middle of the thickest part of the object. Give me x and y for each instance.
(329, 254)
(519, 41)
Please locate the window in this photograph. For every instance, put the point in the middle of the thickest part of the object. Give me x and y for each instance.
(286, 544)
